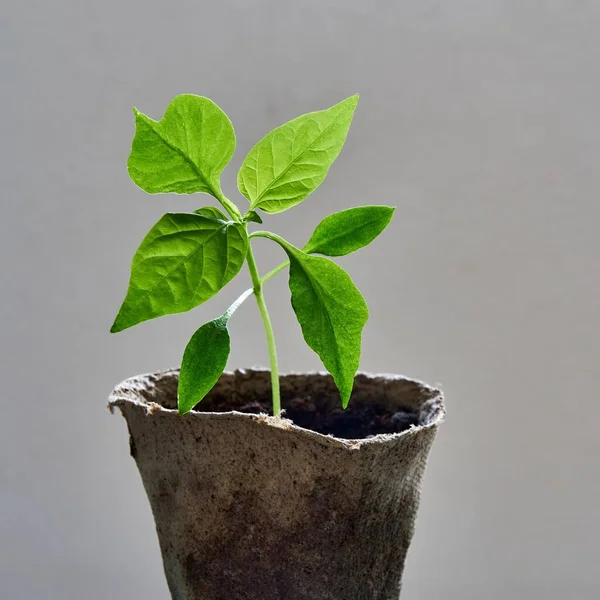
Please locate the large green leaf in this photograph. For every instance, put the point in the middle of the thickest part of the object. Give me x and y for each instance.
(204, 360)
(331, 312)
(184, 260)
(349, 230)
(293, 159)
(184, 152)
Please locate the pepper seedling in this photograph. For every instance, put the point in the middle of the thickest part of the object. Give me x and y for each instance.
(187, 258)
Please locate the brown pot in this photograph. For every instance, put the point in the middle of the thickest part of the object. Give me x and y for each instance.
(248, 506)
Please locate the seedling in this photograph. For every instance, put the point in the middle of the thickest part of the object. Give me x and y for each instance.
(187, 258)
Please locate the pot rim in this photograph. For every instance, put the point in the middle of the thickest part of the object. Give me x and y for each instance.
(124, 394)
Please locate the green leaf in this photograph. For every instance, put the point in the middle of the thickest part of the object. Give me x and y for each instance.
(184, 152)
(253, 216)
(349, 230)
(204, 360)
(331, 312)
(212, 213)
(292, 160)
(184, 260)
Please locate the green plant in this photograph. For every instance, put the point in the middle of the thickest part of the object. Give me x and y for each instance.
(187, 258)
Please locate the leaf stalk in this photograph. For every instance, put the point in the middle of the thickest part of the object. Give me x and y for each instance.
(227, 204)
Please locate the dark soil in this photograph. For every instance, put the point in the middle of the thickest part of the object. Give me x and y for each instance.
(360, 420)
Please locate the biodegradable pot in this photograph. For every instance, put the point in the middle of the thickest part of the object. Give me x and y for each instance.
(248, 506)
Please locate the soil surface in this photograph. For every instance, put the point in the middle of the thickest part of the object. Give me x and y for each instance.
(360, 420)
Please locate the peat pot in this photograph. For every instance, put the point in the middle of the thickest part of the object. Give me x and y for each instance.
(319, 505)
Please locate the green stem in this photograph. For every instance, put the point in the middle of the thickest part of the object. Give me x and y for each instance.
(262, 307)
(264, 278)
(229, 206)
(276, 270)
(274, 237)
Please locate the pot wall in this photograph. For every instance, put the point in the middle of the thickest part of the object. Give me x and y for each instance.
(252, 507)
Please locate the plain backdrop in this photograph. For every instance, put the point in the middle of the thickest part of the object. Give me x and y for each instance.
(478, 120)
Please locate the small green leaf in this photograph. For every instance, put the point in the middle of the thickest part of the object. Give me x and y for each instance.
(184, 152)
(204, 360)
(292, 160)
(184, 260)
(212, 213)
(331, 312)
(253, 216)
(349, 230)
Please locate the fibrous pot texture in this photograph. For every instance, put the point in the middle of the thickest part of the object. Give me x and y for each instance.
(318, 505)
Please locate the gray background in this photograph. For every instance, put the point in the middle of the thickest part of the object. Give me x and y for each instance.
(478, 119)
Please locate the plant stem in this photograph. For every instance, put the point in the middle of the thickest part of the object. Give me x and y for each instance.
(228, 205)
(237, 303)
(276, 270)
(262, 307)
(276, 238)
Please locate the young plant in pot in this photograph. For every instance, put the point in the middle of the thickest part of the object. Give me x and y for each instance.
(264, 486)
